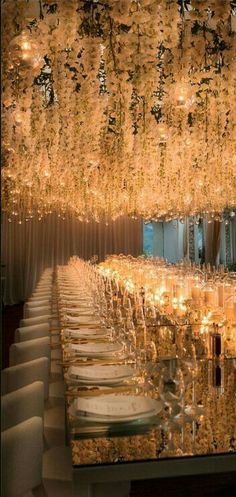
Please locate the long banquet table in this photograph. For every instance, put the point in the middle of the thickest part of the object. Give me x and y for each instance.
(192, 432)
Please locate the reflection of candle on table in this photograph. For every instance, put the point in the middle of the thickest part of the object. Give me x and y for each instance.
(216, 342)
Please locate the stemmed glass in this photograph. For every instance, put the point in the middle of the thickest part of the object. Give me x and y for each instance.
(130, 338)
(146, 363)
(171, 391)
(190, 369)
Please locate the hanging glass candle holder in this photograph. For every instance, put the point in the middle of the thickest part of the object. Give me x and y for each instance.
(24, 52)
(183, 95)
(163, 132)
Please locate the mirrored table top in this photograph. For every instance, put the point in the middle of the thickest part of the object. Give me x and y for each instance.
(197, 416)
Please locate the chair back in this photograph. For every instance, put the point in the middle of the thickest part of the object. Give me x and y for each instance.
(31, 332)
(22, 404)
(23, 374)
(29, 350)
(22, 457)
(37, 311)
(36, 320)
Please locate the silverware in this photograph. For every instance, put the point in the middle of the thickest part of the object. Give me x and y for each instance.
(101, 362)
(95, 391)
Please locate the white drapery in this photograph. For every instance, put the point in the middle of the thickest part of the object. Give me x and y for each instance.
(31, 246)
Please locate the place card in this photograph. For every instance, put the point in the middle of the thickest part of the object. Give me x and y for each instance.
(101, 372)
(96, 348)
(117, 406)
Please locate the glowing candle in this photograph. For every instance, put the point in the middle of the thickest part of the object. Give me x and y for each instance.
(196, 293)
(210, 296)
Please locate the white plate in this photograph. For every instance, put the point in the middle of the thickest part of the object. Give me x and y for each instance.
(77, 305)
(87, 333)
(75, 295)
(97, 372)
(82, 320)
(115, 408)
(78, 311)
(95, 349)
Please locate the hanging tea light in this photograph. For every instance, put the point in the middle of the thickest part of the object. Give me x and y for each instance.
(183, 95)
(18, 117)
(157, 143)
(188, 199)
(163, 132)
(24, 51)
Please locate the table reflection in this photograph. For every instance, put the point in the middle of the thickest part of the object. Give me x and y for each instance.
(201, 420)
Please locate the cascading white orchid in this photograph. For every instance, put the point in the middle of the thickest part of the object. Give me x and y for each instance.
(123, 107)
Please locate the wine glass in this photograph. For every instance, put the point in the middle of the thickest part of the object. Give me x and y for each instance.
(130, 338)
(170, 399)
(190, 369)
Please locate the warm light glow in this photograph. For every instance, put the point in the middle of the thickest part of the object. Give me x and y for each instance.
(128, 115)
(26, 45)
(143, 277)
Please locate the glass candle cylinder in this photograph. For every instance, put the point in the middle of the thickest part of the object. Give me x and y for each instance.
(196, 293)
(210, 295)
(230, 309)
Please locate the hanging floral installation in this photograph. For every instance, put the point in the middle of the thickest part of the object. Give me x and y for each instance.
(115, 107)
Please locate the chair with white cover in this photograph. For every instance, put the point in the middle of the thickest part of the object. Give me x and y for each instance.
(22, 404)
(44, 278)
(37, 320)
(31, 332)
(38, 331)
(37, 311)
(23, 374)
(40, 302)
(29, 350)
(47, 270)
(44, 283)
(40, 295)
(35, 303)
(22, 456)
(42, 289)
